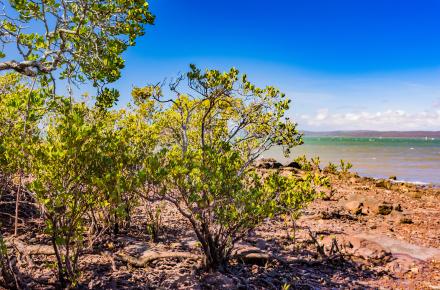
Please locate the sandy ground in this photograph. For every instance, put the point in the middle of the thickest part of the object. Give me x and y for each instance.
(366, 234)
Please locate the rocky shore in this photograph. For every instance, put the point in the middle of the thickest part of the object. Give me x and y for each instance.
(364, 233)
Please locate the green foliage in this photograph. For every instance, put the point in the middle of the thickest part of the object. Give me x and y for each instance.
(107, 98)
(82, 164)
(331, 168)
(81, 40)
(315, 161)
(64, 165)
(90, 166)
(345, 166)
(21, 112)
(209, 138)
(306, 164)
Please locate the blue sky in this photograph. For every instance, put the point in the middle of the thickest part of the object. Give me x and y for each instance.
(346, 64)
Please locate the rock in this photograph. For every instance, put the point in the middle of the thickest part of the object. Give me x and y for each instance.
(398, 208)
(415, 270)
(359, 204)
(259, 259)
(294, 164)
(353, 180)
(384, 209)
(268, 163)
(401, 248)
(395, 216)
(354, 206)
(367, 249)
(392, 177)
(402, 264)
(406, 220)
(251, 255)
(383, 183)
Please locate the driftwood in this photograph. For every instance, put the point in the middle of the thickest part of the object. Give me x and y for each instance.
(149, 256)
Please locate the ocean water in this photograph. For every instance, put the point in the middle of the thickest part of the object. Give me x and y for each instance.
(410, 159)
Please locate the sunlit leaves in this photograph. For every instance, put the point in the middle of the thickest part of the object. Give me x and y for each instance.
(210, 133)
(81, 39)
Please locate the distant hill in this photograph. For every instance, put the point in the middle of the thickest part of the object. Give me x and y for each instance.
(367, 133)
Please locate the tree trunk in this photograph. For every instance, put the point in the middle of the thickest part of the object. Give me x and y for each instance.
(216, 258)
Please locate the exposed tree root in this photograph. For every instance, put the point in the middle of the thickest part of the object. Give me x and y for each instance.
(150, 256)
(249, 256)
(29, 249)
(256, 256)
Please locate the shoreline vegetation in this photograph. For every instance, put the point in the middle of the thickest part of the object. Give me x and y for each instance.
(362, 232)
(169, 192)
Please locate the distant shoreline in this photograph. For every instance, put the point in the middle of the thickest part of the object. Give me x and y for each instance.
(373, 134)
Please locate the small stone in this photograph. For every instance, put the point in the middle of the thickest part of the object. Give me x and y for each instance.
(383, 183)
(415, 270)
(384, 209)
(406, 220)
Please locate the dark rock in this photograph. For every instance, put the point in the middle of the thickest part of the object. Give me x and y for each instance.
(268, 163)
(384, 209)
(406, 220)
(294, 164)
(398, 208)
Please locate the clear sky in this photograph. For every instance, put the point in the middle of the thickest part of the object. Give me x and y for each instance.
(346, 64)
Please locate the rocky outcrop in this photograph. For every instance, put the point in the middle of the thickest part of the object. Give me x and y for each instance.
(359, 204)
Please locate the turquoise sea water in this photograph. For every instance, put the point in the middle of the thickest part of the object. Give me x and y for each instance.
(410, 159)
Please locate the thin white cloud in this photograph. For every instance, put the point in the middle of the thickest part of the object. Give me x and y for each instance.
(382, 120)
